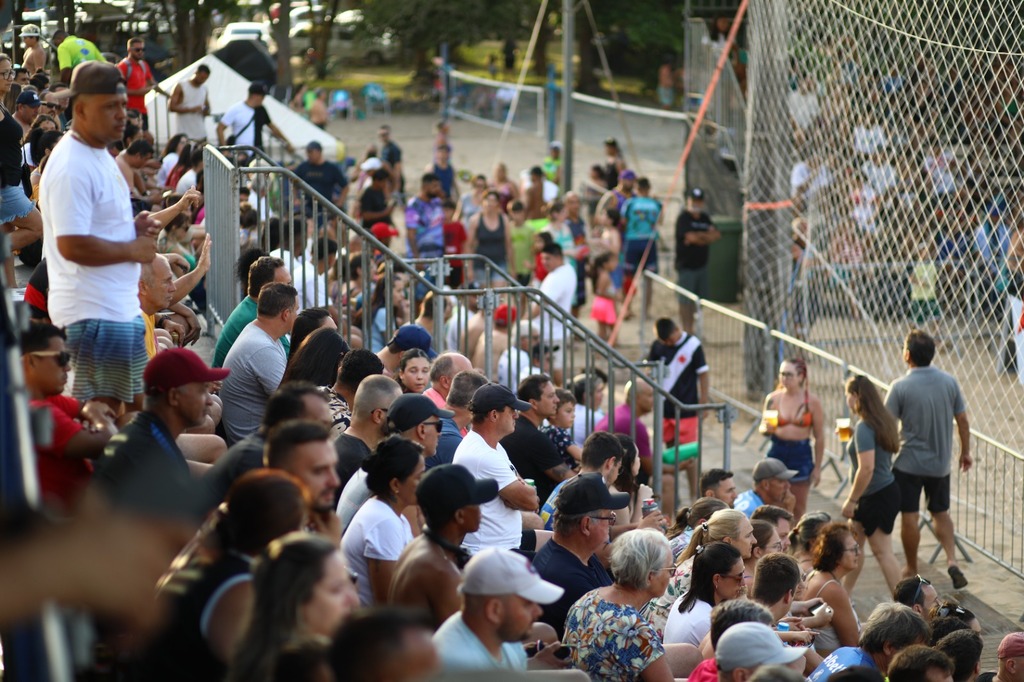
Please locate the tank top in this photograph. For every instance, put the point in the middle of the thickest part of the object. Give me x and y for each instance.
(192, 125)
(491, 243)
(10, 150)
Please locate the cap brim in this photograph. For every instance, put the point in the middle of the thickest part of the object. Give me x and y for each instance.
(484, 490)
(787, 655)
(618, 500)
(216, 374)
(542, 592)
(521, 405)
(787, 474)
(431, 353)
(444, 414)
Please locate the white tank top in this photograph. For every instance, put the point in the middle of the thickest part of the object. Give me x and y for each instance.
(193, 125)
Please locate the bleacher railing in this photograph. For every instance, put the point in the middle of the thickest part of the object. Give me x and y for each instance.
(987, 507)
(346, 285)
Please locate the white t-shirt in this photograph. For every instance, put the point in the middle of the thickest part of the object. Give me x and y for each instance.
(353, 497)
(689, 627)
(84, 194)
(500, 525)
(376, 532)
(509, 365)
(560, 287)
(237, 118)
(188, 178)
(304, 280)
(168, 164)
(460, 649)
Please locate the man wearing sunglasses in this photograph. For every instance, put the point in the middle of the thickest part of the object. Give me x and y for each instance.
(138, 77)
(80, 430)
(917, 593)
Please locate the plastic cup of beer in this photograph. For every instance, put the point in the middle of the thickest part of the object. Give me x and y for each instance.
(844, 430)
(771, 418)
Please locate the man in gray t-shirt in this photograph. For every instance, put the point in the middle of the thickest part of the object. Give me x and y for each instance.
(927, 401)
(257, 361)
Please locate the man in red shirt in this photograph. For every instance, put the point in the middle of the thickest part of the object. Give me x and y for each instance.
(80, 432)
(138, 78)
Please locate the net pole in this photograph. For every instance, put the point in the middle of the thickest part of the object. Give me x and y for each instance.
(519, 81)
(690, 139)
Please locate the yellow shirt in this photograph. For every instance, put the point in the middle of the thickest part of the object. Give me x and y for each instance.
(150, 334)
(73, 51)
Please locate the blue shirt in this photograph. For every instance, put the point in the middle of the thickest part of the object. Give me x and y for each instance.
(447, 442)
(747, 502)
(641, 216)
(460, 649)
(558, 565)
(547, 510)
(841, 659)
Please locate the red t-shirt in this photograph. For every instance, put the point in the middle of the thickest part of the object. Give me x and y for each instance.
(135, 78)
(454, 241)
(538, 269)
(61, 478)
(706, 671)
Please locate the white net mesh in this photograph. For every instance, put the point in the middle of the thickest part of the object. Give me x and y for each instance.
(490, 102)
(896, 129)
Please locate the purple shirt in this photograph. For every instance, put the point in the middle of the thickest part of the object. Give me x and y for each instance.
(623, 418)
(424, 222)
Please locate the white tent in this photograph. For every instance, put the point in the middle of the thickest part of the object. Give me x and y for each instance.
(227, 87)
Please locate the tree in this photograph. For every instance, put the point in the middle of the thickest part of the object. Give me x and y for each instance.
(281, 29)
(422, 25)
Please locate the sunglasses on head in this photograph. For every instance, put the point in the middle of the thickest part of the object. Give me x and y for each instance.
(921, 582)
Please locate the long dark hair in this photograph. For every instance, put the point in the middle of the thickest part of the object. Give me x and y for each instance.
(172, 145)
(317, 359)
(262, 505)
(873, 412)
(626, 483)
(689, 517)
(717, 558)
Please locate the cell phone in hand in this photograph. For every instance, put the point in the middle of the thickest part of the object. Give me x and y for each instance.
(823, 607)
(563, 652)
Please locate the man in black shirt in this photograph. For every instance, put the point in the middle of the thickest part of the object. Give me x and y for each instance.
(694, 234)
(374, 205)
(391, 154)
(144, 453)
(369, 425)
(326, 178)
(533, 453)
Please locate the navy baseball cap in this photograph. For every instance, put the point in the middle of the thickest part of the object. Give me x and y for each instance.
(413, 336)
(494, 396)
(30, 98)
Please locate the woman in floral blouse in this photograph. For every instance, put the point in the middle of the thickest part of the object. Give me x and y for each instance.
(609, 638)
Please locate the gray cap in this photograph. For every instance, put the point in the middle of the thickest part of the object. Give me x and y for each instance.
(770, 467)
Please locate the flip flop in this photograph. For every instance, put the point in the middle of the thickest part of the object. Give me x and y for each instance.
(959, 580)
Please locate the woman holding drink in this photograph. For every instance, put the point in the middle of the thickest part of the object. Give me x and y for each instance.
(874, 497)
(792, 417)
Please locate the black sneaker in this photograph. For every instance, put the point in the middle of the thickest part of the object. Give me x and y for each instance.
(959, 580)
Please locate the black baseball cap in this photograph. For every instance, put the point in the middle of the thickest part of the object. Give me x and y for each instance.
(258, 88)
(97, 78)
(412, 409)
(447, 488)
(494, 396)
(588, 493)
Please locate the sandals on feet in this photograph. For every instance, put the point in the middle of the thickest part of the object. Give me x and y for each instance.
(959, 580)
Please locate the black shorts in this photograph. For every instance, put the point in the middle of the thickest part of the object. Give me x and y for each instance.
(878, 510)
(936, 492)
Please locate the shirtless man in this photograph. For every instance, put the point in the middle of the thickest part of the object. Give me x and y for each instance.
(130, 162)
(536, 215)
(35, 55)
(428, 572)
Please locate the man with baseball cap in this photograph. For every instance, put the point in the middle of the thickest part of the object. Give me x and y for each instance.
(1011, 658)
(427, 574)
(247, 119)
(407, 336)
(412, 416)
(495, 410)
(35, 55)
(771, 484)
(583, 519)
(325, 177)
(501, 594)
(745, 647)
(177, 397)
(695, 233)
(26, 109)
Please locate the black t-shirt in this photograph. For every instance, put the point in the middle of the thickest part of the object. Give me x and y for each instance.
(691, 257)
(261, 118)
(326, 178)
(685, 362)
(373, 201)
(242, 457)
(352, 452)
(532, 453)
(558, 565)
(10, 151)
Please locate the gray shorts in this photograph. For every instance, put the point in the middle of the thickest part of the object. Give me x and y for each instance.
(693, 280)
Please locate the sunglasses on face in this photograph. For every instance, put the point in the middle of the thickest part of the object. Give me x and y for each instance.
(62, 357)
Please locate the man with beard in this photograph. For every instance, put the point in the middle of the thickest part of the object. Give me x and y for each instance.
(303, 449)
(424, 220)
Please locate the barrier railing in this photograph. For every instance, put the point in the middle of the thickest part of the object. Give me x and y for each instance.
(301, 217)
(986, 502)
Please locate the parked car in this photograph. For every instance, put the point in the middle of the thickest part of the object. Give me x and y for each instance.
(348, 41)
(246, 30)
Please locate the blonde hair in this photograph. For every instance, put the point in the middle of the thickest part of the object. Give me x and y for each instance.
(724, 523)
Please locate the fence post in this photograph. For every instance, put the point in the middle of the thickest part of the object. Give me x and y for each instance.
(645, 288)
(552, 96)
(727, 415)
(769, 361)
(487, 304)
(440, 273)
(656, 441)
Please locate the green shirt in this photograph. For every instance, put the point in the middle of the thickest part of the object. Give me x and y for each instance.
(522, 249)
(73, 51)
(242, 315)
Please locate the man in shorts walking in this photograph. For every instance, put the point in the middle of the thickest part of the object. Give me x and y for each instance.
(927, 400)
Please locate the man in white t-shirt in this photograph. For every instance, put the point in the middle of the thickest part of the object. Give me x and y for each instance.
(190, 102)
(486, 635)
(94, 247)
(515, 363)
(495, 410)
(560, 287)
(247, 119)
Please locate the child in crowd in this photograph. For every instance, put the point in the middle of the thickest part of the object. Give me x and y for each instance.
(559, 429)
(454, 242)
(413, 371)
(605, 294)
(540, 240)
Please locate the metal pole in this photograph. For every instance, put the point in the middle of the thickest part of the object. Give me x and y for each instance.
(568, 38)
(488, 303)
(445, 67)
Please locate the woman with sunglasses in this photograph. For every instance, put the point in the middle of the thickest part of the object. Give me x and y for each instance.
(718, 575)
(793, 418)
(874, 498)
(379, 532)
(19, 216)
(836, 553)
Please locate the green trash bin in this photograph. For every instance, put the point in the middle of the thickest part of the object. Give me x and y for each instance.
(724, 260)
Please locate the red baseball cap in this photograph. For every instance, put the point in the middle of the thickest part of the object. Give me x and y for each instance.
(383, 230)
(177, 367)
(503, 315)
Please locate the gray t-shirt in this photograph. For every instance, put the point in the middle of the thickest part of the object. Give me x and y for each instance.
(925, 400)
(257, 363)
(863, 441)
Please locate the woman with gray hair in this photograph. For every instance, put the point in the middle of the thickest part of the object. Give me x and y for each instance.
(608, 636)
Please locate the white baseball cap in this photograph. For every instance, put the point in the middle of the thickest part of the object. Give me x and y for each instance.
(748, 645)
(495, 572)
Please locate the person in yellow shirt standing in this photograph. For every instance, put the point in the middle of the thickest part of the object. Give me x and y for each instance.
(72, 51)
